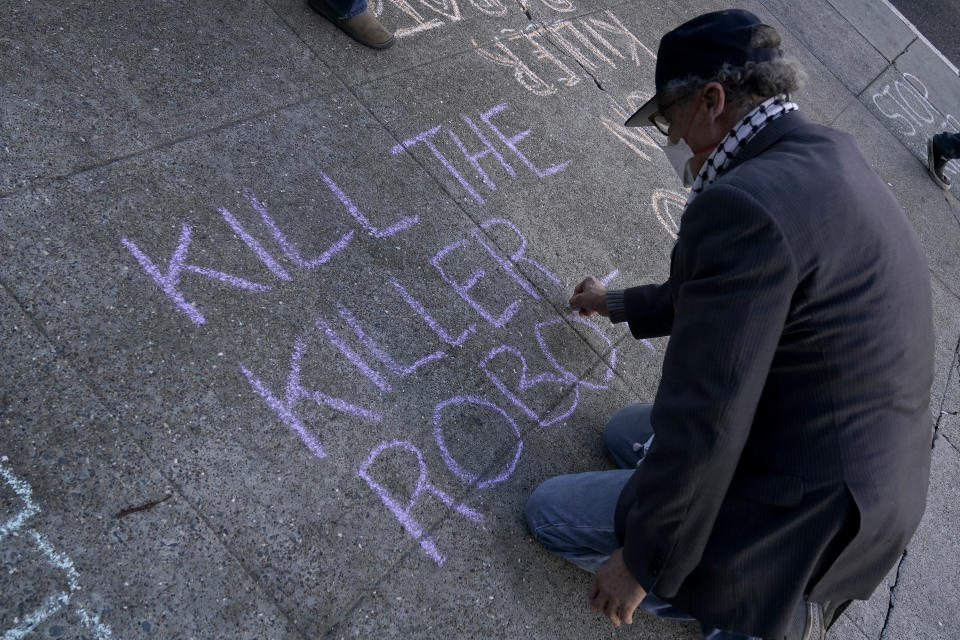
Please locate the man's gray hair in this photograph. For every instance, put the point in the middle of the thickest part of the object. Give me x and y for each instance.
(745, 86)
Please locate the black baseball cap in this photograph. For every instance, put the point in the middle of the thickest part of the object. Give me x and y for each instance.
(703, 45)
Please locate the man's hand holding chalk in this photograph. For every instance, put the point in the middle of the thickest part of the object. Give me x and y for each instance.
(590, 297)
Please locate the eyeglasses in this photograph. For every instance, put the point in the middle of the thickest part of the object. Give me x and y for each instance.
(660, 122)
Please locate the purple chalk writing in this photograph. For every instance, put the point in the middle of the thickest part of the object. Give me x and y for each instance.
(512, 142)
(294, 391)
(608, 371)
(463, 288)
(396, 369)
(169, 281)
(433, 324)
(288, 249)
(403, 511)
(607, 279)
(353, 356)
(255, 245)
(518, 256)
(285, 413)
(508, 265)
(488, 149)
(395, 228)
(546, 393)
(426, 138)
(527, 383)
(472, 478)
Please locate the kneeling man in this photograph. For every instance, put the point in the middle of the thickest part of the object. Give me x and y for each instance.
(783, 465)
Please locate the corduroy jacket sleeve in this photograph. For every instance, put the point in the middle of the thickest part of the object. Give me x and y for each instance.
(735, 277)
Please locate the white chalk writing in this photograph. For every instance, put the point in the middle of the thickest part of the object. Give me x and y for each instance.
(907, 103)
(592, 41)
(59, 600)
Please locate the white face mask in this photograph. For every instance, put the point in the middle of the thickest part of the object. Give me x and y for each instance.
(679, 154)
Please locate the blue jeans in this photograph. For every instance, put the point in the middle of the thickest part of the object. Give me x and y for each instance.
(572, 515)
(347, 8)
(948, 144)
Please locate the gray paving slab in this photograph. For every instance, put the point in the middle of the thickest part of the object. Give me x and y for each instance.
(845, 629)
(79, 559)
(426, 30)
(205, 375)
(495, 570)
(949, 429)
(106, 78)
(927, 595)
(951, 400)
(881, 27)
(867, 617)
(822, 96)
(949, 424)
(937, 80)
(826, 33)
(915, 99)
(196, 388)
(610, 44)
(946, 319)
(929, 209)
(582, 180)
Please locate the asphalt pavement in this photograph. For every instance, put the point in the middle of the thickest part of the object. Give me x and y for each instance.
(285, 344)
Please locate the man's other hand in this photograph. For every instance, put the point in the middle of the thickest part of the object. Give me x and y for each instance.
(590, 297)
(615, 592)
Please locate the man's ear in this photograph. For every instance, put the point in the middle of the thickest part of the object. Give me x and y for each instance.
(714, 99)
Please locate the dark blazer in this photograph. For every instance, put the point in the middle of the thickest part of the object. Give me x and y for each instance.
(793, 434)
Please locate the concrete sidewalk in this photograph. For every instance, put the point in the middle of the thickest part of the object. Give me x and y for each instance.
(284, 338)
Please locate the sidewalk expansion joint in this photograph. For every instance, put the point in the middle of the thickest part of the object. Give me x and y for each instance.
(549, 37)
(474, 45)
(943, 401)
(902, 53)
(946, 286)
(950, 442)
(869, 85)
(948, 196)
(412, 548)
(893, 595)
(856, 624)
(44, 181)
(526, 10)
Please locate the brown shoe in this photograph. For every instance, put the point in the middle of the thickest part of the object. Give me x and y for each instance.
(365, 28)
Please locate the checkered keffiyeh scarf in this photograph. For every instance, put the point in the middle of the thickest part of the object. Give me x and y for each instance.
(751, 124)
